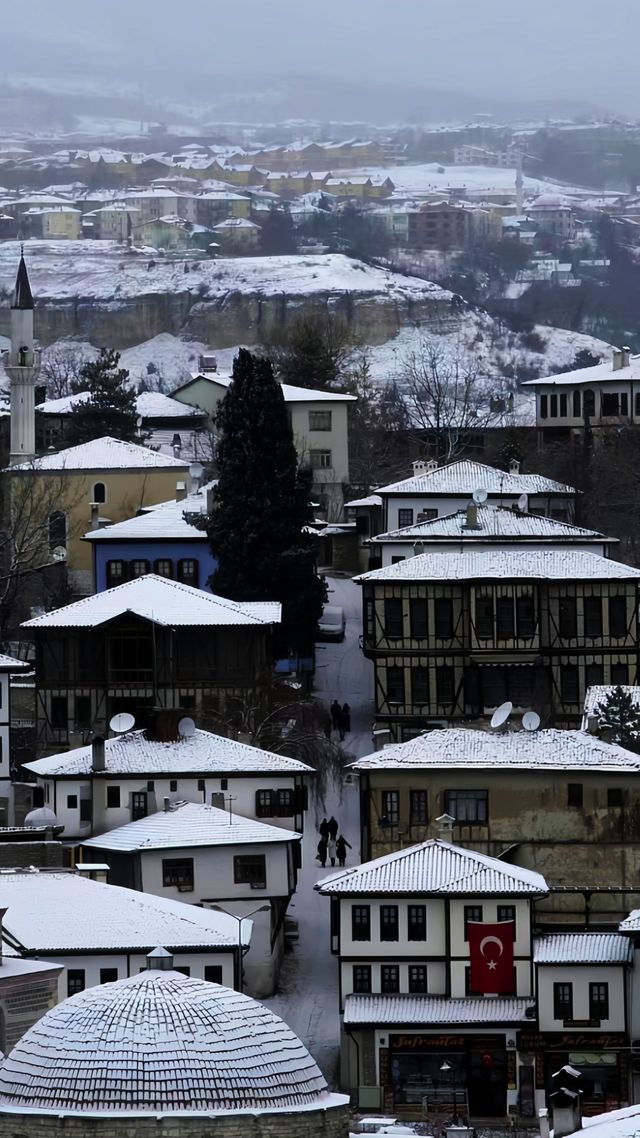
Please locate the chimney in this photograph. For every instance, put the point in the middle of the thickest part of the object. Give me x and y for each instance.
(617, 359)
(95, 510)
(431, 465)
(181, 490)
(626, 356)
(177, 448)
(514, 466)
(97, 753)
(444, 827)
(418, 467)
(166, 802)
(472, 517)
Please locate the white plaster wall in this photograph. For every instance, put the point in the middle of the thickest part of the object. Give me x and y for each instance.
(581, 976)
(213, 873)
(434, 945)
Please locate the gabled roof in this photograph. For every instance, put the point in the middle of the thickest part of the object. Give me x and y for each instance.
(57, 912)
(161, 601)
(631, 924)
(464, 476)
(103, 454)
(434, 868)
(190, 824)
(165, 521)
(493, 523)
(203, 753)
(505, 564)
(10, 664)
(428, 1010)
(291, 394)
(582, 948)
(464, 748)
(598, 373)
(149, 404)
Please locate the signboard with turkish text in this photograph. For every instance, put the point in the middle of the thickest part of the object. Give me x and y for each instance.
(491, 957)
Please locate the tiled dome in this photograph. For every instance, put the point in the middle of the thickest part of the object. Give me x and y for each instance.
(160, 1042)
(41, 816)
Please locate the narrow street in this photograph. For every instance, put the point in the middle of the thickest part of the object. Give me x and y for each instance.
(308, 997)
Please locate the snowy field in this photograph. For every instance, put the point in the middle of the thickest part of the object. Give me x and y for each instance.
(427, 178)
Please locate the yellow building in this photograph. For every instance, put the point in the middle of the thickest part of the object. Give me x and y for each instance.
(82, 487)
(62, 222)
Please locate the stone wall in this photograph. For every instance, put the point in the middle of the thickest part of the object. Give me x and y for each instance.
(308, 1124)
(21, 855)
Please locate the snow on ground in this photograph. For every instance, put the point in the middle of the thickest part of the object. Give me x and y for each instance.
(103, 270)
(308, 996)
(172, 358)
(433, 177)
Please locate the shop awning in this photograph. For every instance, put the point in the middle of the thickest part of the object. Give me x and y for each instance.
(427, 1011)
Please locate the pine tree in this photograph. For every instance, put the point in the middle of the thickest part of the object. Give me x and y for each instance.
(619, 719)
(111, 406)
(256, 528)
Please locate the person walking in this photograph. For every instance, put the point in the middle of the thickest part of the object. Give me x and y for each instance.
(333, 828)
(346, 716)
(335, 714)
(321, 854)
(343, 724)
(331, 849)
(341, 849)
(323, 829)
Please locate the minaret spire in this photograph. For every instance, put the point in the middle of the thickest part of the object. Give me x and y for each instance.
(22, 364)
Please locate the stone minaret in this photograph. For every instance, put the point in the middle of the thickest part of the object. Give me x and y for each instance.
(22, 365)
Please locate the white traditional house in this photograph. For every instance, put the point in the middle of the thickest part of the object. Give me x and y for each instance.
(482, 528)
(603, 396)
(213, 858)
(100, 932)
(412, 1026)
(8, 667)
(435, 491)
(98, 788)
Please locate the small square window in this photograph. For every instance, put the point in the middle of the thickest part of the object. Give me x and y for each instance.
(108, 975)
(615, 797)
(72, 802)
(213, 973)
(574, 794)
(113, 797)
(75, 981)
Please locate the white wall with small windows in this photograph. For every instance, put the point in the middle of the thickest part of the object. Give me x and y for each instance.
(86, 969)
(588, 993)
(390, 927)
(218, 872)
(401, 510)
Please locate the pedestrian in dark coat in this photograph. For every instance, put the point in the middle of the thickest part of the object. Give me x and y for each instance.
(333, 828)
(321, 854)
(346, 715)
(343, 724)
(335, 714)
(323, 829)
(341, 849)
(331, 850)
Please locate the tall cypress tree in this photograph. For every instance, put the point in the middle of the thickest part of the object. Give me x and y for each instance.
(111, 406)
(256, 527)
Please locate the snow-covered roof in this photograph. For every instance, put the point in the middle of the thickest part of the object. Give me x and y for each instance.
(464, 476)
(290, 393)
(492, 522)
(103, 454)
(370, 500)
(631, 924)
(167, 520)
(189, 824)
(165, 602)
(203, 753)
(599, 693)
(603, 372)
(549, 564)
(67, 912)
(582, 948)
(149, 404)
(434, 867)
(408, 1010)
(464, 748)
(10, 664)
(161, 1043)
(623, 1123)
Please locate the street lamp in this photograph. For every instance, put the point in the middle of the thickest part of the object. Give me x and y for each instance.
(239, 920)
(449, 1067)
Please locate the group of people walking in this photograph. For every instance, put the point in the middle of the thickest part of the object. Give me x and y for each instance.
(341, 718)
(332, 844)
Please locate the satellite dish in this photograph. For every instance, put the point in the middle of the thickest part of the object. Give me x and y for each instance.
(59, 553)
(480, 496)
(121, 722)
(523, 502)
(531, 720)
(186, 727)
(501, 714)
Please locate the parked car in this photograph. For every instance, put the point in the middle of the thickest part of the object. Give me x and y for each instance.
(331, 625)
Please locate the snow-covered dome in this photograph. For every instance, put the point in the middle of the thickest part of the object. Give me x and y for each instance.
(41, 816)
(160, 1042)
(551, 199)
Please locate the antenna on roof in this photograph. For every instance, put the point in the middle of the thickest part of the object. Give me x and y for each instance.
(122, 722)
(479, 496)
(523, 502)
(500, 715)
(186, 727)
(531, 720)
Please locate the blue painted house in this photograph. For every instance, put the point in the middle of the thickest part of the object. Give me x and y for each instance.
(159, 540)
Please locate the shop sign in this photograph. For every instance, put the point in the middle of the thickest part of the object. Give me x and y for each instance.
(570, 1041)
(428, 1042)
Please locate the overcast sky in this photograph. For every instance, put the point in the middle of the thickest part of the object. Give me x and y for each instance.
(576, 49)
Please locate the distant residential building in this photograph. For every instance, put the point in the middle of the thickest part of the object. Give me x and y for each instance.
(144, 768)
(363, 186)
(440, 225)
(100, 933)
(553, 213)
(210, 857)
(454, 634)
(150, 643)
(61, 223)
(166, 425)
(603, 396)
(468, 155)
(113, 222)
(319, 420)
(237, 234)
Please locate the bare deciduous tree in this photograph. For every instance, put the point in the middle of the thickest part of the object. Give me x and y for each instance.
(60, 366)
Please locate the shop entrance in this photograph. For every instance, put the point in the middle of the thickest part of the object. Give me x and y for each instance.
(468, 1081)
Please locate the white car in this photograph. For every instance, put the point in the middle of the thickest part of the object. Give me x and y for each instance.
(331, 625)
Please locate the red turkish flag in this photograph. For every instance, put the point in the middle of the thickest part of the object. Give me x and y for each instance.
(491, 956)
